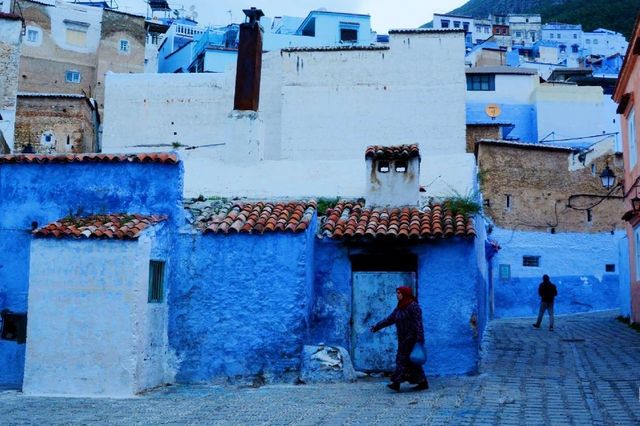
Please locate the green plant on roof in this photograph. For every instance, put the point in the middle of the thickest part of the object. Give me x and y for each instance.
(464, 204)
(324, 204)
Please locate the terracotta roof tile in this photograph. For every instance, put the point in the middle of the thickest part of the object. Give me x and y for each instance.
(398, 152)
(155, 157)
(260, 217)
(349, 219)
(121, 226)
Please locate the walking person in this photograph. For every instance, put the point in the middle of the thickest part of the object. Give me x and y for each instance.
(407, 316)
(547, 292)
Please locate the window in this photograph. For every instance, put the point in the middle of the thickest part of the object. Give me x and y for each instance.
(575, 48)
(610, 267)
(154, 38)
(456, 24)
(632, 138)
(481, 82)
(444, 23)
(48, 138)
(532, 35)
(349, 32)
(486, 30)
(563, 48)
(575, 36)
(551, 35)
(518, 34)
(508, 201)
(156, 281)
(588, 41)
(504, 272)
(14, 326)
(589, 215)
(124, 46)
(558, 35)
(72, 76)
(401, 166)
(478, 28)
(595, 41)
(32, 35)
(531, 261)
(76, 33)
(383, 166)
(465, 25)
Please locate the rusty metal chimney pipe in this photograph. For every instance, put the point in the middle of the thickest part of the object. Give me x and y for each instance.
(249, 68)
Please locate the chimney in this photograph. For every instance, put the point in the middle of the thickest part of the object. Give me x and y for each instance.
(393, 175)
(249, 67)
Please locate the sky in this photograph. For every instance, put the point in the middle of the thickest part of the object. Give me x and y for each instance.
(385, 14)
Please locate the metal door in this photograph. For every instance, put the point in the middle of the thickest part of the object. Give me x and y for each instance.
(374, 298)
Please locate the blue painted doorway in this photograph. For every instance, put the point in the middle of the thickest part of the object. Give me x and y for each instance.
(374, 298)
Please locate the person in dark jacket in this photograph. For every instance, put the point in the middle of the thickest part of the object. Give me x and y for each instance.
(407, 316)
(547, 292)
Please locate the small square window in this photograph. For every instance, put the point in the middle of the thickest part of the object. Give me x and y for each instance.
(72, 76)
(156, 281)
(384, 166)
(124, 46)
(401, 166)
(531, 261)
(610, 267)
(444, 23)
(32, 36)
(504, 272)
(14, 326)
(456, 24)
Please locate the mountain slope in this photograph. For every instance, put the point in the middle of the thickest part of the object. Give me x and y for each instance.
(617, 15)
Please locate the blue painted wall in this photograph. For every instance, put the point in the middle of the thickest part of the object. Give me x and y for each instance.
(448, 280)
(523, 116)
(239, 304)
(575, 262)
(43, 193)
(625, 278)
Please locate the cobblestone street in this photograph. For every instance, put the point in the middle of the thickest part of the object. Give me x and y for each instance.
(585, 372)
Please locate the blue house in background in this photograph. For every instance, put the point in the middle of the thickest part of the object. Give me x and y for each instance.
(509, 91)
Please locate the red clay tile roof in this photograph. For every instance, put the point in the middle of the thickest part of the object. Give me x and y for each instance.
(119, 226)
(261, 217)
(154, 157)
(398, 152)
(352, 220)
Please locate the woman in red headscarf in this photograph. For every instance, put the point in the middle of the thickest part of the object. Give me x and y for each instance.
(407, 316)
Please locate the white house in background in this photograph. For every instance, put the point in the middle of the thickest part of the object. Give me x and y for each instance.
(320, 108)
(604, 42)
(525, 29)
(190, 47)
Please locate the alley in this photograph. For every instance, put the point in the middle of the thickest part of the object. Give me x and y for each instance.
(585, 372)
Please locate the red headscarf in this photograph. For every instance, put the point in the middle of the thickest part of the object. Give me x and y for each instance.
(407, 297)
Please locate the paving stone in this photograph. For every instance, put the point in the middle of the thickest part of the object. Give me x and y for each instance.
(525, 377)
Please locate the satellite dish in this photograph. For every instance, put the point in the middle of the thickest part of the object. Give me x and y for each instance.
(493, 111)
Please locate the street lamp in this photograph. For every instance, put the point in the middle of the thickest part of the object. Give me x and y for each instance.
(608, 178)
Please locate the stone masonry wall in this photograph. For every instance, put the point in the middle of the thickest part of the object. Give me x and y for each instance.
(69, 120)
(537, 184)
(10, 30)
(481, 131)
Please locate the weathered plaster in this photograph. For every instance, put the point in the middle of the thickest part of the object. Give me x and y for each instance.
(91, 330)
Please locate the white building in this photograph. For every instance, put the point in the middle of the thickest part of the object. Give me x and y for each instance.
(525, 29)
(604, 42)
(320, 108)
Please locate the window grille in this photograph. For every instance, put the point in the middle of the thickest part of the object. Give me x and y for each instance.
(531, 261)
(156, 281)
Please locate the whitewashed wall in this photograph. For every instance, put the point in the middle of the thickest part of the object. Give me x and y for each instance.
(572, 111)
(319, 110)
(90, 327)
(75, 12)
